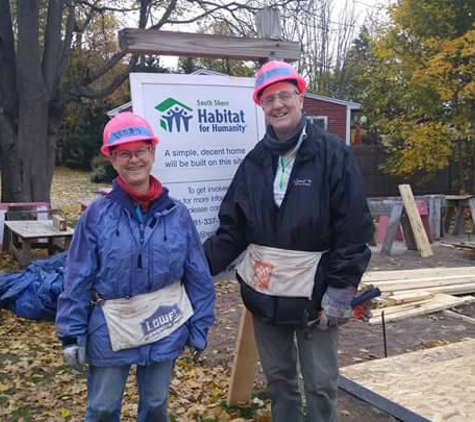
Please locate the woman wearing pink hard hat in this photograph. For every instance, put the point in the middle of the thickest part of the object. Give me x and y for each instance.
(137, 287)
(296, 207)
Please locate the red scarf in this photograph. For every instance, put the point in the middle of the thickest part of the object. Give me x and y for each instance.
(142, 199)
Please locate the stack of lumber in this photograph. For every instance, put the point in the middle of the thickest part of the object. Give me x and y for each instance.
(407, 293)
(468, 247)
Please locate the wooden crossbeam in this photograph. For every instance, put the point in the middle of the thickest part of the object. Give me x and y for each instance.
(171, 43)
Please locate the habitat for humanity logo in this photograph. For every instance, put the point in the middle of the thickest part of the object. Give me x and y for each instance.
(174, 115)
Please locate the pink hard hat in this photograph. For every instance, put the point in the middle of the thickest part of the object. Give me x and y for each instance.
(124, 128)
(272, 72)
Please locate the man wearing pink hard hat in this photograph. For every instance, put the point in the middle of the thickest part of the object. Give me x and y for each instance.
(137, 288)
(297, 210)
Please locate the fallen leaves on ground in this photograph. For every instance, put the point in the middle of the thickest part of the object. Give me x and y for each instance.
(68, 188)
(36, 386)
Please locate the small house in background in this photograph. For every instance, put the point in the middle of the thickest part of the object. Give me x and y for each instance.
(331, 114)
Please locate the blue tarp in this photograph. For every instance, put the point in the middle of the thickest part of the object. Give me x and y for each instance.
(32, 293)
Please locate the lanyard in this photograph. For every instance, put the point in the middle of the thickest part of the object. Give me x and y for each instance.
(283, 164)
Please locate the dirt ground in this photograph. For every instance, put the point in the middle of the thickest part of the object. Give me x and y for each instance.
(360, 342)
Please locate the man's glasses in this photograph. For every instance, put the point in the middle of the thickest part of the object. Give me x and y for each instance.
(126, 155)
(284, 96)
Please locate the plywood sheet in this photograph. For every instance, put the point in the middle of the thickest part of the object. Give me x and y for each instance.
(437, 383)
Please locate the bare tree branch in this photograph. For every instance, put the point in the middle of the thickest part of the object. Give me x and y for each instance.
(166, 15)
(68, 37)
(8, 98)
(52, 45)
(28, 51)
(93, 76)
(89, 92)
(102, 9)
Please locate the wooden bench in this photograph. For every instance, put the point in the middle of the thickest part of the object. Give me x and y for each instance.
(18, 210)
(25, 232)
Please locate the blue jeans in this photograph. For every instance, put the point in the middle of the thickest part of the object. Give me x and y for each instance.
(105, 388)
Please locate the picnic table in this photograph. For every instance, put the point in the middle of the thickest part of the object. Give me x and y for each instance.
(26, 233)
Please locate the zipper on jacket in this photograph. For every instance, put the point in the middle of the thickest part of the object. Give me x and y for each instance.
(139, 259)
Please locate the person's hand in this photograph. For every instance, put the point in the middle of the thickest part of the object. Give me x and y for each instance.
(74, 356)
(336, 307)
(195, 354)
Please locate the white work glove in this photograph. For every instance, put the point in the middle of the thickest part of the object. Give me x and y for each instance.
(74, 356)
(336, 307)
(196, 355)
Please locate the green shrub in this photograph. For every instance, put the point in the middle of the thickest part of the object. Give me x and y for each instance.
(102, 170)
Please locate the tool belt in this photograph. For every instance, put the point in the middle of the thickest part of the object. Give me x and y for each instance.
(279, 272)
(145, 318)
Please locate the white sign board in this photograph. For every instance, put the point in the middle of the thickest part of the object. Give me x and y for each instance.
(206, 124)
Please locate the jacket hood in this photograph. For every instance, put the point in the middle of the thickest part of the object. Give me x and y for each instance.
(162, 205)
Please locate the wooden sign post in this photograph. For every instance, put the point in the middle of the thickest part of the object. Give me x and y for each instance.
(245, 362)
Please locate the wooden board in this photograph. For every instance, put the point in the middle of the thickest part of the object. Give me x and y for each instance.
(451, 289)
(453, 314)
(245, 362)
(438, 303)
(393, 224)
(437, 383)
(411, 274)
(426, 282)
(31, 229)
(400, 298)
(172, 43)
(418, 230)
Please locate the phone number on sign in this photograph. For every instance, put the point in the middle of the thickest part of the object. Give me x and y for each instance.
(206, 221)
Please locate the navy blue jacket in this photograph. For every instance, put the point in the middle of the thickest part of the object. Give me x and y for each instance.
(324, 208)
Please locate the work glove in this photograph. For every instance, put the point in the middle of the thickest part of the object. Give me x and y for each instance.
(74, 356)
(336, 307)
(195, 354)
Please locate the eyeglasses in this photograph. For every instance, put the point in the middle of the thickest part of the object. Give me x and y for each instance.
(284, 96)
(126, 155)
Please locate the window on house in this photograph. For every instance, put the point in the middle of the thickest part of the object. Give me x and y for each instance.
(320, 121)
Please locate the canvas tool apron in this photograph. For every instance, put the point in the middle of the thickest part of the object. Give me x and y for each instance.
(146, 318)
(279, 272)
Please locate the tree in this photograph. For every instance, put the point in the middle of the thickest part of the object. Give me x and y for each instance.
(36, 47)
(325, 39)
(422, 90)
(39, 41)
(226, 66)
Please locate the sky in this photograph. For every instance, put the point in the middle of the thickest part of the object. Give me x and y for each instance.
(362, 8)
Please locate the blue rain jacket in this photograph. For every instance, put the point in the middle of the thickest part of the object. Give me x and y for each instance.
(115, 255)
